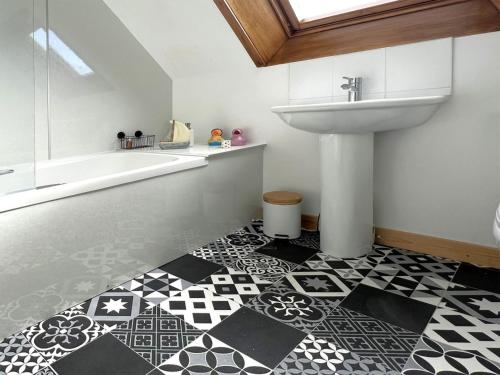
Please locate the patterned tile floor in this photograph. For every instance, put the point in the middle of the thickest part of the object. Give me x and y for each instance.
(247, 304)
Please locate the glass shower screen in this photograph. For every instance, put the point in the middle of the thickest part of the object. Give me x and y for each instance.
(19, 63)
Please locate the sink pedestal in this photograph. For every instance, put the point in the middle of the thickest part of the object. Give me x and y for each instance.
(346, 221)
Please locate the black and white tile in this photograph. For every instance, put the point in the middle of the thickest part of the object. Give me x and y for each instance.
(353, 269)
(256, 226)
(308, 239)
(246, 237)
(264, 267)
(46, 371)
(207, 355)
(259, 304)
(313, 356)
(104, 356)
(200, 307)
(113, 307)
(286, 250)
(260, 337)
(18, 356)
(156, 286)
(191, 268)
(63, 334)
(368, 337)
(221, 252)
(317, 284)
(433, 358)
(483, 278)
(465, 332)
(292, 308)
(156, 335)
(388, 307)
(415, 264)
(319, 356)
(238, 286)
(481, 304)
(421, 288)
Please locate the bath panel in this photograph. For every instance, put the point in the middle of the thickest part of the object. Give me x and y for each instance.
(58, 253)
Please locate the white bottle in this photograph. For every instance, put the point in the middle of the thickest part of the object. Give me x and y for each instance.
(191, 136)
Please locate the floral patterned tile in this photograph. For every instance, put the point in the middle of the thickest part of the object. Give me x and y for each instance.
(262, 266)
(47, 371)
(63, 334)
(433, 358)
(319, 356)
(290, 307)
(221, 252)
(244, 238)
(18, 356)
(368, 337)
(207, 355)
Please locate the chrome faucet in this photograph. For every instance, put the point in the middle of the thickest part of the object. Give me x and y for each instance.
(353, 87)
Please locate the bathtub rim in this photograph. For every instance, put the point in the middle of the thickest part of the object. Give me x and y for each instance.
(31, 197)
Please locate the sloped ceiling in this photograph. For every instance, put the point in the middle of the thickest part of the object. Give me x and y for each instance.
(185, 37)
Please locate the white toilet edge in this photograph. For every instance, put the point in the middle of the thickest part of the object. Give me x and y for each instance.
(496, 226)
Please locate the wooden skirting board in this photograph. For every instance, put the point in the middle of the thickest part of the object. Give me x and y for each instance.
(442, 247)
(309, 222)
(457, 250)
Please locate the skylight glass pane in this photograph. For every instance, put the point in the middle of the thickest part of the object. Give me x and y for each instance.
(312, 9)
(62, 50)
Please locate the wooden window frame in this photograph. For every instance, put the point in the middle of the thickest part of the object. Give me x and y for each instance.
(271, 33)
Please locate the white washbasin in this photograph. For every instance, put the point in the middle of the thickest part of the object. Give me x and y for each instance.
(346, 132)
(367, 116)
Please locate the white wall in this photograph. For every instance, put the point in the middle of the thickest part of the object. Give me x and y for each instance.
(443, 178)
(243, 99)
(127, 91)
(186, 37)
(439, 179)
(418, 69)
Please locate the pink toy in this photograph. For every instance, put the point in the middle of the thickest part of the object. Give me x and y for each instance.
(237, 138)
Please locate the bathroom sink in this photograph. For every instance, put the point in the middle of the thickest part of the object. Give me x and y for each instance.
(346, 136)
(367, 116)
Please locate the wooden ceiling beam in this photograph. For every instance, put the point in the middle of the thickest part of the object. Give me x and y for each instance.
(262, 27)
(257, 26)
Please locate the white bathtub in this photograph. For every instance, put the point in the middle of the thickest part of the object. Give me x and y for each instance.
(63, 251)
(62, 178)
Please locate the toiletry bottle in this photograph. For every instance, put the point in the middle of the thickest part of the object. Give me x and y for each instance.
(191, 136)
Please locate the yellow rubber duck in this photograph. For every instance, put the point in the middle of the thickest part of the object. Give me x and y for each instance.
(216, 138)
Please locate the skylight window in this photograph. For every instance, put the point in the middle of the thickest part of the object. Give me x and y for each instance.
(62, 50)
(313, 9)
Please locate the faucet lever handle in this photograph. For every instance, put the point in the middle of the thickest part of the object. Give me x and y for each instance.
(349, 79)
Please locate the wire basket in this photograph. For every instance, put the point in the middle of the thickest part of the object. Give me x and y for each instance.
(132, 142)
